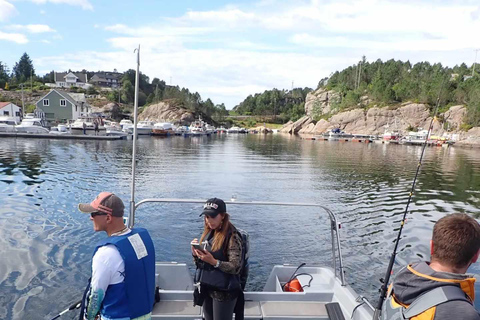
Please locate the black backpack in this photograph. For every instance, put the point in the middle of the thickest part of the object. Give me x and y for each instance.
(245, 255)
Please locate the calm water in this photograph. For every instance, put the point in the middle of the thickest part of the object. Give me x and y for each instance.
(46, 244)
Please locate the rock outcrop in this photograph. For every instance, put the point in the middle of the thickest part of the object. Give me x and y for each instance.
(168, 111)
(454, 117)
(377, 120)
(110, 110)
(321, 99)
(294, 127)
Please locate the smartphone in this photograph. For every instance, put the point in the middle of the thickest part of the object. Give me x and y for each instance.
(198, 246)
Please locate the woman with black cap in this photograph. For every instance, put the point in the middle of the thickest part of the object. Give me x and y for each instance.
(220, 263)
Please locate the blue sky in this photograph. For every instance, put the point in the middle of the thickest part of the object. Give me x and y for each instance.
(227, 50)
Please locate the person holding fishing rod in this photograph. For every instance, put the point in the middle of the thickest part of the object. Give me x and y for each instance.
(439, 289)
(123, 265)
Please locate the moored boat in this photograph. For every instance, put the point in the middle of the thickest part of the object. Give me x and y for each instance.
(86, 125)
(7, 124)
(31, 125)
(162, 129)
(145, 127)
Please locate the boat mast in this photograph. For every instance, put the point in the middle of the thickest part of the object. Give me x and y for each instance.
(131, 217)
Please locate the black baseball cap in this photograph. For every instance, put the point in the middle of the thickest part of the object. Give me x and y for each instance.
(213, 207)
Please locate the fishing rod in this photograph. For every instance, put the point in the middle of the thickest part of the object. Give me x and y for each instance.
(76, 305)
(378, 310)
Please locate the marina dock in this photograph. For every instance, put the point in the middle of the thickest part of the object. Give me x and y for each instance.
(59, 136)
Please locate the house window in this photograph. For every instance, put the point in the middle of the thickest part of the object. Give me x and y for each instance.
(6, 113)
(76, 108)
(46, 102)
(17, 113)
(63, 102)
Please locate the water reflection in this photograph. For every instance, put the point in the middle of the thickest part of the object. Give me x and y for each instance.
(49, 244)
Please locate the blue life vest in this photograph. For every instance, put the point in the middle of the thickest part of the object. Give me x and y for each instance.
(135, 296)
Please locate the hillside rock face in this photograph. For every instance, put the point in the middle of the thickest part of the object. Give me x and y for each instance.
(167, 111)
(294, 127)
(111, 110)
(322, 99)
(454, 116)
(377, 120)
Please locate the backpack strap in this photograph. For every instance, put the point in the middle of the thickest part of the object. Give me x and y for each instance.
(434, 298)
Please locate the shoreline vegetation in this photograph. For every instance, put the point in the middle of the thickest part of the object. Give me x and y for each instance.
(393, 95)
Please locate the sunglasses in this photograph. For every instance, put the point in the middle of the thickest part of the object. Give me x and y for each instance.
(94, 214)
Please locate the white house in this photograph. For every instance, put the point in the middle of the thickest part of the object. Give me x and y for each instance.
(70, 79)
(9, 109)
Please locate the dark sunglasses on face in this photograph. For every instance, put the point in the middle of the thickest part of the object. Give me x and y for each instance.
(94, 214)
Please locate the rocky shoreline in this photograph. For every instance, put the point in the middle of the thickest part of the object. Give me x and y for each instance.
(375, 120)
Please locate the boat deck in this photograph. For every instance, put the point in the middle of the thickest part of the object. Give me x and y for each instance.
(324, 298)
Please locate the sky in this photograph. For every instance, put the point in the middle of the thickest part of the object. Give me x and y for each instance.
(228, 50)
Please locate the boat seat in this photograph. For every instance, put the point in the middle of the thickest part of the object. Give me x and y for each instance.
(176, 309)
(293, 310)
(334, 311)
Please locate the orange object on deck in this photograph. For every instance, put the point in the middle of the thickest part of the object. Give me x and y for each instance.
(293, 286)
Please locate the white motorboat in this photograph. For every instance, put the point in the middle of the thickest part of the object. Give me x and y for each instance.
(78, 126)
(60, 129)
(210, 129)
(233, 130)
(198, 128)
(114, 129)
(179, 131)
(7, 124)
(112, 125)
(31, 125)
(145, 127)
(127, 125)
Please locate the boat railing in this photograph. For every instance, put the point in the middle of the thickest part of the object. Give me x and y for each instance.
(334, 225)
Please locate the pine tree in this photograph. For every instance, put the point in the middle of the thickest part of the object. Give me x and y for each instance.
(23, 69)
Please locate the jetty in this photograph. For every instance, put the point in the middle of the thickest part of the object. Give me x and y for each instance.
(58, 136)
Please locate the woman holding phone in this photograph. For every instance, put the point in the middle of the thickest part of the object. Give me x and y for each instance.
(219, 264)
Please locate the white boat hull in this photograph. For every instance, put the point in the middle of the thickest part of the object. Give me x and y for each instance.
(32, 129)
(144, 131)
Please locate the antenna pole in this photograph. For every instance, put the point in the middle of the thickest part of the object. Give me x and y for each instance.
(131, 220)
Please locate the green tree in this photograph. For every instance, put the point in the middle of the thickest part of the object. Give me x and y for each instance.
(128, 91)
(23, 69)
(4, 78)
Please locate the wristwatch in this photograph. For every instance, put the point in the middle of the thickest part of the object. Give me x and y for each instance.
(217, 265)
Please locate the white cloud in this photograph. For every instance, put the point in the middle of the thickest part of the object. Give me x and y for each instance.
(45, 41)
(237, 50)
(7, 10)
(43, 12)
(84, 4)
(31, 28)
(13, 37)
